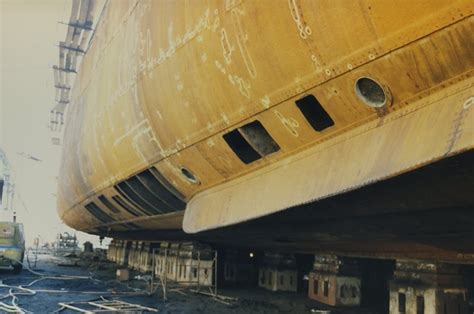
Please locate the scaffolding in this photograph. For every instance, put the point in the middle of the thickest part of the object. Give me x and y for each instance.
(75, 45)
(174, 263)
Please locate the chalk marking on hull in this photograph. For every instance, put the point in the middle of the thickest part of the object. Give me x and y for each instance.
(242, 39)
(130, 131)
(304, 30)
(290, 124)
(227, 49)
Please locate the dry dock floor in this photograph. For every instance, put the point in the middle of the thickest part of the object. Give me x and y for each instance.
(102, 282)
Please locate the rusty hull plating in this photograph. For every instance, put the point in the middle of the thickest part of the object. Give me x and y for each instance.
(215, 116)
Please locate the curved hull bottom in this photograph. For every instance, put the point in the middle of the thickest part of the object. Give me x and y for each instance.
(424, 214)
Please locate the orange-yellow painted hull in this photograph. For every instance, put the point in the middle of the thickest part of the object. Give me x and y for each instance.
(163, 81)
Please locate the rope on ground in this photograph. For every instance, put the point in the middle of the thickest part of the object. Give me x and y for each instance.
(15, 291)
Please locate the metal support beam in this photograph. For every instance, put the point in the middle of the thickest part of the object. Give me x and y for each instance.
(64, 69)
(66, 87)
(71, 48)
(77, 25)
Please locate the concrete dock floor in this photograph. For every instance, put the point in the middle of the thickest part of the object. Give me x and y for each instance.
(102, 282)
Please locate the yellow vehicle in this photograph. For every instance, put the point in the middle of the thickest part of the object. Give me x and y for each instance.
(12, 245)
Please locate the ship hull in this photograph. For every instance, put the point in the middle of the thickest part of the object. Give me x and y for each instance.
(304, 125)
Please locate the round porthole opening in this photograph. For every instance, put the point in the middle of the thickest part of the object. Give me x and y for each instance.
(370, 92)
(189, 175)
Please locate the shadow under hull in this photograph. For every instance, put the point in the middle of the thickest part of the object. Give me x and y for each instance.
(424, 214)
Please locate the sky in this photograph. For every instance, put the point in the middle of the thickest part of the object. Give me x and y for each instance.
(29, 33)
